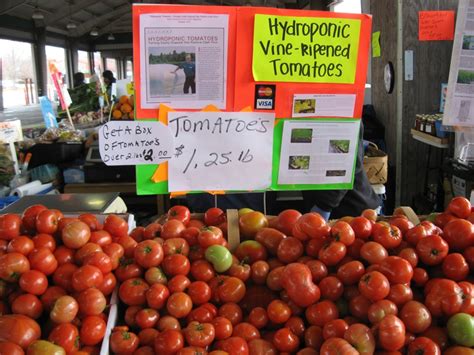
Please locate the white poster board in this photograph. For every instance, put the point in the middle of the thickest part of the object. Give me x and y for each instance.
(459, 109)
(220, 151)
(135, 142)
(10, 132)
(184, 60)
(318, 152)
(323, 105)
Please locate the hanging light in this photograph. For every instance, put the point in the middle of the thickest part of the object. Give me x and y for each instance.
(71, 25)
(111, 37)
(37, 14)
(94, 32)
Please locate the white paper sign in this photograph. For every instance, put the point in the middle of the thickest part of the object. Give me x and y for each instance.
(323, 105)
(220, 151)
(135, 142)
(318, 152)
(10, 132)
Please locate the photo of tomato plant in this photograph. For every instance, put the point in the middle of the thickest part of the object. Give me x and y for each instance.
(305, 106)
(301, 135)
(298, 162)
(339, 146)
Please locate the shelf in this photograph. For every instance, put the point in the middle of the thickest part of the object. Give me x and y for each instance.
(429, 139)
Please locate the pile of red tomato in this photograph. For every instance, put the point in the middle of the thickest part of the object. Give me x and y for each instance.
(295, 284)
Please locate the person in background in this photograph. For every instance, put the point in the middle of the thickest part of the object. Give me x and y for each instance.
(339, 203)
(108, 81)
(78, 79)
(189, 68)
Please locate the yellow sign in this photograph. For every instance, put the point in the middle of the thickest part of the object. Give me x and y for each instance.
(305, 49)
(130, 89)
(376, 44)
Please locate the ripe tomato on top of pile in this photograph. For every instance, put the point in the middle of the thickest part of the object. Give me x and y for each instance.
(295, 284)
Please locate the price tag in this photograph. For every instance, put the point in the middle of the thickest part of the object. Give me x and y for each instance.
(10, 132)
(220, 151)
(135, 142)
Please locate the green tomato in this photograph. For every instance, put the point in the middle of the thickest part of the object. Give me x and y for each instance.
(43, 347)
(220, 257)
(461, 329)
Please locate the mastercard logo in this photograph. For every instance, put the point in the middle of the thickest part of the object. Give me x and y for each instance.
(265, 91)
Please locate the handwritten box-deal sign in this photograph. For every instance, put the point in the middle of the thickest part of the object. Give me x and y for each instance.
(436, 25)
(220, 151)
(10, 132)
(135, 142)
(305, 49)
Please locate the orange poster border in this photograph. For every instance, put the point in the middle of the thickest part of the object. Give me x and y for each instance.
(139, 9)
(245, 84)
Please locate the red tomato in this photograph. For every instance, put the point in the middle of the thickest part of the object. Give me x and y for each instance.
(250, 223)
(322, 312)
(270, 238)
(181, 213)
(331, 288)
(240, 270)
(152, 231)
(423, 345)
(85, 251)
(297, 281)
(374, 285)
(311, 225)
(100, 237)
(409, 254)
(47, 222)
(233, 346)
(378, 310)
(373, 252)
(65, 335)
(251, 251)
(168, 342)
(359, 307)
(199, 334)
(289, 250)
(100, 260)
(92, 330)
(148, 253)
(313, 337)
(172, 229)
(318, 270)
(200, 292)
(432, 250)
(362, 227)
(123, 342)
(108, 285)
(214, 216)
(29, 216)
(402, 222)
(202, 270)
(12, 266)
(34, 282)
(92, 302)
(258, 317)
(335, 329)
(397, 270)
(75, 235)
(115, 251)
(391, 333)
(332, 253)
(455, 267)
(27, 304)
(9, 226)
(157, 296)
(223, 328)
(116, 226)
(51, 295)
(416, 316)
(286, 220)
(388, 236)
(43, 260)
(179, 283)
(232, 289)
(278, 312)
(176, 246)
(179, 305)
(190, 235)
(232, 312)
(128, 270)
(44, 241)
(86, 276)
(460, 207)
(64, 255)
(176, 264)
(260, 346)
(438, 335)
(285, 340)
(459, 234)
(259, 272)
(342, 232)
(133, 291)
(351, 272)
(91, 220)
(146, 318)
(210, 236)
(400, 294)
(64, 310)
(19, 329)
(21, 244)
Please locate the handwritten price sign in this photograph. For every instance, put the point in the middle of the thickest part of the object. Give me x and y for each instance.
(10, 132)
(220, 151)
(135, 142)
